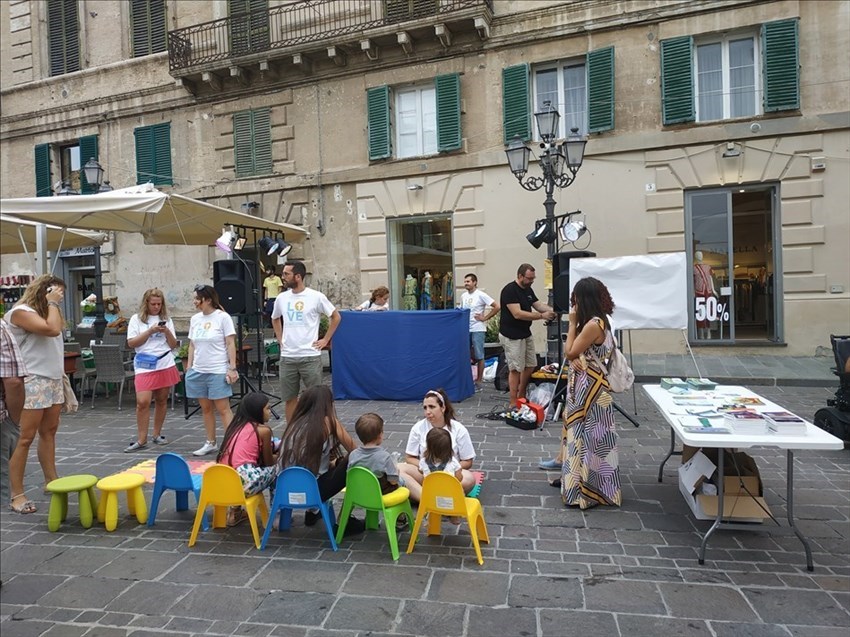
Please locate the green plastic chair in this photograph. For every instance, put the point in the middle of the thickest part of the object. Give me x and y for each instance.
(363, 491)
(60, 488)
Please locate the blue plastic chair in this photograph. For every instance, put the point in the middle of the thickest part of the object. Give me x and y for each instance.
(172, 472)
(297, 488)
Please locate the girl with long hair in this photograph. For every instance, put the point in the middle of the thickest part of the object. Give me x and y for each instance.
(36, 323)
(211, 367)
(151, 334)
(379, 301)
(590, 474)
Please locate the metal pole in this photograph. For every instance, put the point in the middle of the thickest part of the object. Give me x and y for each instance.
(552, 331)
(99, 319)
(41, 249)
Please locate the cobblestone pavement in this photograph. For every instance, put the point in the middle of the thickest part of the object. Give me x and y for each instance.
(548, 570)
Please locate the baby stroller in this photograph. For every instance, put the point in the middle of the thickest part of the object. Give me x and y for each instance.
(835, 418)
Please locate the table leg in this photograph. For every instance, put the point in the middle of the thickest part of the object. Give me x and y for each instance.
(790, 511)
(719, 518)
(669, 453)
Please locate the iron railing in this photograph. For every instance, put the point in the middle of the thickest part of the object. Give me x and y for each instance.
(298, 23)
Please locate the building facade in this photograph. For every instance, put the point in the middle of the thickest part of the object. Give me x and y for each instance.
(721, 129)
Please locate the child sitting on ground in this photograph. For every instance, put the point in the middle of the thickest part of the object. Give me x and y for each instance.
(370, 430)
(248, 448)
(439, 455)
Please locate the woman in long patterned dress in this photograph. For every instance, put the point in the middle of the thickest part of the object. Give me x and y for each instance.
(590, 474)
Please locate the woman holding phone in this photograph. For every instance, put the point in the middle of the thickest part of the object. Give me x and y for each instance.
(151, 334)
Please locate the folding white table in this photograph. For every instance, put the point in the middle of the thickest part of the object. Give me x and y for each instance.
(815, 438)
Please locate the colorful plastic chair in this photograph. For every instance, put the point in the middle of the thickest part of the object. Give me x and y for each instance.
(297, 488)
(442, 494)
(60, 488)
(107, 509)
(221, 488)
(173, 473)
(362, 490)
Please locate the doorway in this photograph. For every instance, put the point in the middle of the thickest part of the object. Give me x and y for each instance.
(733, 251)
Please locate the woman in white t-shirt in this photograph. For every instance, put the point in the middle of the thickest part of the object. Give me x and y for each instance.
(378, 302)
(439, 413)
(36, 323)
(211, 368)
(151, 334)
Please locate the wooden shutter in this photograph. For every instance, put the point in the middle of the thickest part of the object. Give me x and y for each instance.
(144, 154)
(43, 187)
(252, 142)
(378, 113)
(448, 112)
(242, 143)
(63, 39)
(88, 150)
(148, 19)
(677, 80)
(516, 108)
(249, 26)
(781, 64)
(162, 153)
(600, 90)
(262, 130)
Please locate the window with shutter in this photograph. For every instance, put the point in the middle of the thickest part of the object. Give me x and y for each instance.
(780, 48)
(252, 143)
(153, 154)
(249, 26)
(63, 41)
(677, 85)
(378, 128)
(448, 112)
(516, 112)
(88, 150)
(43, 185)
(149, 26)
(564, 86)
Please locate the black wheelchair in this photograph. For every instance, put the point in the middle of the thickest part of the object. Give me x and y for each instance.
(835, 418)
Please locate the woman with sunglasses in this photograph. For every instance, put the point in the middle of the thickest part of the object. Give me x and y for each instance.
(439, 414)
(211, 367)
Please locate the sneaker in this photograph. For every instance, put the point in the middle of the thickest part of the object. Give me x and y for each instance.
(311, 516)
(208, 447)
(478, 388)
(354, 527)
(402, 522)
(550, 465)
(160, 440)
(135, 446)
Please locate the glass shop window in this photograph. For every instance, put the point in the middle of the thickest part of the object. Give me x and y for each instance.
(421, 263)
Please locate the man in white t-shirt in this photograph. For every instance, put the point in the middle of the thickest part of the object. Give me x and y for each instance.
(295, 319)
(481, 309)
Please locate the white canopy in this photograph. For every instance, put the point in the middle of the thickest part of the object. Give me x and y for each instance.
(19, 236)
(160, 218)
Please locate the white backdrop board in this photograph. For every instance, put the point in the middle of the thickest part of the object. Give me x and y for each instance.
(649, 291)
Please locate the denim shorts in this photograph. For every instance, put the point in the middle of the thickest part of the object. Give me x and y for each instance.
(476, 344)
(211, 386)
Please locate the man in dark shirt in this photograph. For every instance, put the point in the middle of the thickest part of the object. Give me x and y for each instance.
(520, 306)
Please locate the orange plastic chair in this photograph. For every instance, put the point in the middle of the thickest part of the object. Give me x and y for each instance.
(442, 494)
(222, 488)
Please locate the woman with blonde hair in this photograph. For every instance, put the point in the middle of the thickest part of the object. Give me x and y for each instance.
(151, 334)
(36, 323)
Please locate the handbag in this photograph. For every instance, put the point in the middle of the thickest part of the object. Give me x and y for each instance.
(618, 373)
(148, 361)
(71, 402)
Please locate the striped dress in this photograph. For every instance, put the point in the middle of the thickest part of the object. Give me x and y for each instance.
(590, 473)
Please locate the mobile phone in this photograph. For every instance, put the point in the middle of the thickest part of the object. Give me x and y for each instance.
(50, 289)
(161, 323)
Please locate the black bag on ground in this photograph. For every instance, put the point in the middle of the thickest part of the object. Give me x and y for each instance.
(501, 380)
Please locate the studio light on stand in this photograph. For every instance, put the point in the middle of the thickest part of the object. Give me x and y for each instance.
(226, 240)
(542, 234)
(274, 246)
(572, 231)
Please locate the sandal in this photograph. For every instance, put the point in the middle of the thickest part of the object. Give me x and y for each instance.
(236, 515)
(555, 483)
(27, 507)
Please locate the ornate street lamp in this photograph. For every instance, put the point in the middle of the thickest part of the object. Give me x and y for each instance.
(93, 172)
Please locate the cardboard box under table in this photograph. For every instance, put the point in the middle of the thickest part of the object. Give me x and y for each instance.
(729, 506)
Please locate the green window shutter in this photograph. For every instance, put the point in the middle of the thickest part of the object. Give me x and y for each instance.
(63, 41)
(600, 90)
(242, 144)
(249, 26)
(148, 20)
(781, 64)
(144, 154)
(252, 142)
(677, 80)
(162, 153)
(516, 109)
(43, 187)
(378, 113)
(88, 150)
(262, 128)
(448, 112)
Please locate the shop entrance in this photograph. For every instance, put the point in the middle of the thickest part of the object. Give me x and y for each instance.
(734, 254)
(420, 263)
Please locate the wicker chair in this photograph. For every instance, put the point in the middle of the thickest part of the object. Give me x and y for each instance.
(81, 372)
(110, 368)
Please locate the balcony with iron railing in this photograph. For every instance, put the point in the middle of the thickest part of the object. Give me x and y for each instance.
(312, 25)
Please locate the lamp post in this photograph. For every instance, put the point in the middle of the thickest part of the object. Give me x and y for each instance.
(559, 164)
(93, 172)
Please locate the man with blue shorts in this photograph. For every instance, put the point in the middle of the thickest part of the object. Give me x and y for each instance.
(481, 308)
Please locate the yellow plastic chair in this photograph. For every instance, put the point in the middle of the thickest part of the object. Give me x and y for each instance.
(362, 490)
(222, 488)
(442, 494)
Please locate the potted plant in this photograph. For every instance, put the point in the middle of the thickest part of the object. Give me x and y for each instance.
(492, 346)
(183, 354)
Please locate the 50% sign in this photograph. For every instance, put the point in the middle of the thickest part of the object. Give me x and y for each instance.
(710, 310)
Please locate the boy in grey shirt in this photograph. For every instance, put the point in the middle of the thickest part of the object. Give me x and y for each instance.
(370, 430)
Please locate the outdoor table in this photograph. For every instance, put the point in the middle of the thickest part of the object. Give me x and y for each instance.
(815, 438)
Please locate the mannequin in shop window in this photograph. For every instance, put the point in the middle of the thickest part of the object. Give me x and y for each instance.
(448, 291)
(425, 302)
(409, 293)
(703, 289)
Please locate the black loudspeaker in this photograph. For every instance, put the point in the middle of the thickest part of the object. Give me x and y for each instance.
(234, 282)
(561, 274)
